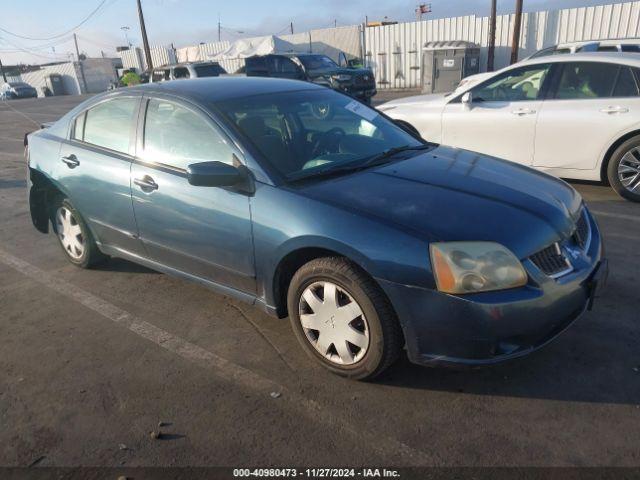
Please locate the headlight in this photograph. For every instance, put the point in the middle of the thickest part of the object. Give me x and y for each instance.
(471, 267)
(341, 78)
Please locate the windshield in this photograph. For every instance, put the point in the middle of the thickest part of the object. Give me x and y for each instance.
(307, 132)
(317, 62)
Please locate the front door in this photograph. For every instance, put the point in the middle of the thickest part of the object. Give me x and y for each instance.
(95, 165)
(592, 105)
(501, 120)
(203, 231)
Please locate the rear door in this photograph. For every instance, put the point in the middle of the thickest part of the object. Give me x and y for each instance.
(203, 231)
(591, 105)
(501, 121)
(94, 170)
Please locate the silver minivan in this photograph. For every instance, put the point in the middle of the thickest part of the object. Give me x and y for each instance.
(186, 71)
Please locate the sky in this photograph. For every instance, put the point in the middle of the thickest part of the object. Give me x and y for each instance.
(188, 22)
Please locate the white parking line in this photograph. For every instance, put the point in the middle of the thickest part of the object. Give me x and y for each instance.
(224, 368)
(621, 216)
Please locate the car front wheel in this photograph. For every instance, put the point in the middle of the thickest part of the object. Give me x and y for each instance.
(623, 171)
(342, 318)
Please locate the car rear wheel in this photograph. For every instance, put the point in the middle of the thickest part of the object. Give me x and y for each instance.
(623, 170)
(342, 318)
(74, 236)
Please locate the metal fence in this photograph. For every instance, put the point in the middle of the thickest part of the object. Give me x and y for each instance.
(394, 51)
(160, 55)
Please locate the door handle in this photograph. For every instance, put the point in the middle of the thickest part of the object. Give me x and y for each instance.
(523, 111)
(612, 110)
(71, 161)
(146, 184)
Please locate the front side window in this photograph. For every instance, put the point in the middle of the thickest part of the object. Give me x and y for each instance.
(177, 136)
(587, 80)
(108, 124)
(520, 84)
(302, 132)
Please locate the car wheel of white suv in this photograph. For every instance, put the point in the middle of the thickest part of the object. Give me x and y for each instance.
(623, 170)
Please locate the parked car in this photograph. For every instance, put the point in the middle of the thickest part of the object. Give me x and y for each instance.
(573, 116)
(12, 90)
(626, 45)
(185, 71)
(367, 237)
(356, 82)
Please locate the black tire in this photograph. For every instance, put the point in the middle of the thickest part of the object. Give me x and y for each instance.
(385, 335)
(91, 255)
(612, 170)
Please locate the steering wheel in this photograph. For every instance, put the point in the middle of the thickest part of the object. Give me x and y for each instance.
(328, 142)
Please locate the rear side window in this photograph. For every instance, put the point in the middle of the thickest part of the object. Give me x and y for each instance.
(209, 70)
(109, 124)
(626, 85)
(586, 80)
(589, 80)
(630, 48)
(181, 72)
(178, 137)
(256, 66)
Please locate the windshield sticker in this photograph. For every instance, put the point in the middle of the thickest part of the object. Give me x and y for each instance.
(359, 109)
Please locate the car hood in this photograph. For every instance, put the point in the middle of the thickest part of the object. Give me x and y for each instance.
(447, 194)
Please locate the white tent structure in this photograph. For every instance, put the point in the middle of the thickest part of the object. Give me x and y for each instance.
(249, 47)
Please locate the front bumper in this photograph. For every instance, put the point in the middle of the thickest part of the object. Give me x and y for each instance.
(488, 328)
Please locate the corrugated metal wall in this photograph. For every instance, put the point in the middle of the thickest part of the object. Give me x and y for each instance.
(70, 77)
(134, 57)
(394, 51)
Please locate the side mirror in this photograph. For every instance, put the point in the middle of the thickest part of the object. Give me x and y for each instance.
(214, 174)
(467, 99)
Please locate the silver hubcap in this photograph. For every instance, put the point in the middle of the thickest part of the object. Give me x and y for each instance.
(629, 170)
(334, 323)
(69, 233)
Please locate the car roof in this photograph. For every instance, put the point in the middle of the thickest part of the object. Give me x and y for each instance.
(604, 42)
(216, 89)
(631, 59)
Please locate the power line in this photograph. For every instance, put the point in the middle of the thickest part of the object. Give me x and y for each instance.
(43, 46)
(86, 19)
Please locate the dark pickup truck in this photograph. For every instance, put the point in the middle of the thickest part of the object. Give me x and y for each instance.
(356, 82)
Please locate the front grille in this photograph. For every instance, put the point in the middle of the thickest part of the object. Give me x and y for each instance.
(364, 79)
(551, 261)
(582, 235)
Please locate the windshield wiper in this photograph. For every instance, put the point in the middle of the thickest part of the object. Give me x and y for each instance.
(378, 159)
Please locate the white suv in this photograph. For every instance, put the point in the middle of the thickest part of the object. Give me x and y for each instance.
(573, 116)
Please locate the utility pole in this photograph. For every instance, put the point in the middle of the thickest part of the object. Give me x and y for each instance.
(492, 37)
(515, 44)
(145, 40)
(84, 80)
(291, 28)
(4, 76)
(219, 28)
